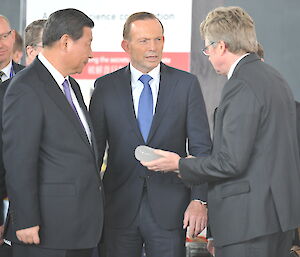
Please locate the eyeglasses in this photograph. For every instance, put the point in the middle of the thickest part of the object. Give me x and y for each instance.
(4, 36)
(37, 45)
(205, 49)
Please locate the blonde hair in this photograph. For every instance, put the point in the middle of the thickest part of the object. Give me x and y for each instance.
(234, 26)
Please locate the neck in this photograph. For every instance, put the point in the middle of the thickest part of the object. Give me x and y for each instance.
(4, 64)
(52, 56)
(231, 59)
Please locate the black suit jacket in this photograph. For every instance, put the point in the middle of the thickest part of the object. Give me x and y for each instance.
(253, 171)
(3, 87)
(51, 169)
(17, 67)
(180, 114)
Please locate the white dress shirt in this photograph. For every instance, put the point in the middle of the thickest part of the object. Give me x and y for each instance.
(137, 86)
(59, 78)
(232, 67)
(7, 72)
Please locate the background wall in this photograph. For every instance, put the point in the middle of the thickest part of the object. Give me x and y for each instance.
(277, 25)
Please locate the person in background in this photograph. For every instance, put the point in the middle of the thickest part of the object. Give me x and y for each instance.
(33, 39)
(8, 68)
(260, 51)
(254, 169)
(49, 151)
(18, 48)
(148, 103)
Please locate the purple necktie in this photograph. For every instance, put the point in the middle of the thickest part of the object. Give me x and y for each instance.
(67, 92)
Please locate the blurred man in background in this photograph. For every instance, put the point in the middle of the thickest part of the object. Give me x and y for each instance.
(33, 39)
(18, 48)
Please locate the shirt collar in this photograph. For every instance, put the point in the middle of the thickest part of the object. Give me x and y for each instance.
(231, 70)
(7, 69)
(58, 77)
(136, 74)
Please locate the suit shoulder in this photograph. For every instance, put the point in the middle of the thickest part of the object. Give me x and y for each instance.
(177, 72)
(23, 80)
(112, 75)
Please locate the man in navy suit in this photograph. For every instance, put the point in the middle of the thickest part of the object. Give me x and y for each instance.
(49, 151)
(148, 103)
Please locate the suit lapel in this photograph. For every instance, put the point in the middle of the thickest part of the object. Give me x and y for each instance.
(165, 94)
(55, 93)
(17, 67)
(124, 90)
(82, 105)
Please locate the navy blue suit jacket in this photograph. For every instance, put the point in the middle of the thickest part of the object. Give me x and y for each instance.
(180, 114)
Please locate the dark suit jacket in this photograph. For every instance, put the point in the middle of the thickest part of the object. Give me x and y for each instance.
(180, 114)
(253, 172)
(3, 194)
(17, 67)
(51, 169)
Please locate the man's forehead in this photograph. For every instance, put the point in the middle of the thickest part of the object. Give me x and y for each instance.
(4, 25)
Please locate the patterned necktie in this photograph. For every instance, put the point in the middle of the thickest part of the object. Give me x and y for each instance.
(145, 111)
(1, 74)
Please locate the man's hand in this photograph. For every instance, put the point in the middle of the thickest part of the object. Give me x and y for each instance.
(195, 217)
(168, 162)
(29, 235)
(1, 234)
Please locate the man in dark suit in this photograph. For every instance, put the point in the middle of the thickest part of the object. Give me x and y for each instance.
(8, 69)
(253, 171)
(49, 151)
(143, 207)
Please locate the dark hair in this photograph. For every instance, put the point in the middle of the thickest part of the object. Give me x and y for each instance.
(67, 21)
(33, 32)
(135, 17)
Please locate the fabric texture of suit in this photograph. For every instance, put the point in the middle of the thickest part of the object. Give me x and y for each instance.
(179, 114)
(298, 122)
(3, 87)
(17, 67)
(51, 169)
(253, 172)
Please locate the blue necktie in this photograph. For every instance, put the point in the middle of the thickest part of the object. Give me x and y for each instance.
(145, 111)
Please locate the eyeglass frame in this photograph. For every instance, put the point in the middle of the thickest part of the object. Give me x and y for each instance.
(206, 48)
(4, 36)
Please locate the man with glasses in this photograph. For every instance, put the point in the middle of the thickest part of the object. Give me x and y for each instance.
(33, 39)
(8, 68)
(253, 171)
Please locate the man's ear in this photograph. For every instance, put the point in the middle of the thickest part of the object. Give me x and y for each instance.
(13, 34)
(65, 41)
(222, 47)
(124, 45)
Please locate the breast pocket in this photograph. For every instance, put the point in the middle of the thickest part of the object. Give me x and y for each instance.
(235, 189)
